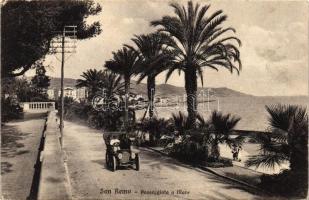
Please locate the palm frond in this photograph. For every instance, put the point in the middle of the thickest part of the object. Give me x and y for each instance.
(269, 160)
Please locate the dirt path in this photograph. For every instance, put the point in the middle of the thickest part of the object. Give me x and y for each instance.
(19, 148)
(90, 179)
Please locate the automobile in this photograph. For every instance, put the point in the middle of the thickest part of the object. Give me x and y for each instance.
(120, 151)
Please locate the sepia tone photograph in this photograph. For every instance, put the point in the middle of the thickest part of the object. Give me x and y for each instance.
(154, 99)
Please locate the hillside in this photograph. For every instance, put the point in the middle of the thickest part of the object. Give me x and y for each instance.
(163, 90)
(68, 82)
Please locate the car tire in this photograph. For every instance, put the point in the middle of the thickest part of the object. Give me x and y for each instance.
(114, 164)
(137, 162)
(106, 160)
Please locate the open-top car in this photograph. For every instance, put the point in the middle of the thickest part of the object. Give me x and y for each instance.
(120, 151)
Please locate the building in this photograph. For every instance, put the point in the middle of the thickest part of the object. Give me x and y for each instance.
(52, 94)
(162, 100)
(81, 94)
(78, 94)
(68, 92)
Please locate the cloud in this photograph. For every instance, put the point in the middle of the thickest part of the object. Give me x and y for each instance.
(274, 34)
(270, 54)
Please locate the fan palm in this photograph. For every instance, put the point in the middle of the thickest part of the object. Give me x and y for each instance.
(154, 57)
(124, 62)
(197, 41)
(221, 127)
(92, 80)
(287, 140)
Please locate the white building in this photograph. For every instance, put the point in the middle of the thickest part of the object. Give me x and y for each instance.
(81, 94)
(68, 92)
(78, 94)
(51, 93)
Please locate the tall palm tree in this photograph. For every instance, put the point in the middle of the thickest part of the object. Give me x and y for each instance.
(92, 80)
(198, 41)
(154, 57)
(124, 62)
(221, 127)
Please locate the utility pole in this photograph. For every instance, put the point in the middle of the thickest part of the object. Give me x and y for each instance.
(70, 32)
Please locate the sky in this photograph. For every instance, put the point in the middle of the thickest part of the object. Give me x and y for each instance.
(274, 50)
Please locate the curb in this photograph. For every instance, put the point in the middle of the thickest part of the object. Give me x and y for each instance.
(217, 174)
(53, 173)
(232, 179)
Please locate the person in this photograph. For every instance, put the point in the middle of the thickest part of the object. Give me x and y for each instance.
(125, 142)
(235, 152)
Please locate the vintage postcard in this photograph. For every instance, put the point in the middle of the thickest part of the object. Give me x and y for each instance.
(154, 99)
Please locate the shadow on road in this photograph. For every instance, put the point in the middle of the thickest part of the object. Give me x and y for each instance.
(6, 167)
(100, 162)
(157, 161)
(227, 184)
(104, 166)
(12, 141)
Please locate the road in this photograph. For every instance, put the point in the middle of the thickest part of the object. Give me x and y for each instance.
(20, 142)
(90, 179)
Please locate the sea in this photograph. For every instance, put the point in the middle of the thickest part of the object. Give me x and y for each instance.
(250, 109)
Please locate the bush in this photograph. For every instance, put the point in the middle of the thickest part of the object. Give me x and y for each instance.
(156, 127)
(10, 110)
(191, 149)
(287, 183)
(107, 120)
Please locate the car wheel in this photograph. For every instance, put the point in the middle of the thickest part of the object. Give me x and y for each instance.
(114, 164)
(106, 160)
(137, 162)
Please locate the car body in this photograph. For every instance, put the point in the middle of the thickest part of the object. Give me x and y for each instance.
(120, 152)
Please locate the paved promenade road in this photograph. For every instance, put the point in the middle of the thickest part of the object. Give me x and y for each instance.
(20, 142)
(89, 178)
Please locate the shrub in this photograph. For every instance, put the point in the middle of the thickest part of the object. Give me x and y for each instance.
(156, 127)
(10, 110)
(287, 183)
(191, 148)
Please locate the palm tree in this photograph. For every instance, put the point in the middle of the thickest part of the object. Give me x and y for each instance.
(180, 122)
(124, 62)
(197, 41)
(221, 127)
(287, 140)
(154, 57)
(112, 84)
(92, 80)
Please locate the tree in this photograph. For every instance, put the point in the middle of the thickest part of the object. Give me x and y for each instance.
(197, 41)
(221, 127)
(28, 27)
(21, 90)
(93, 80)
(112, 85)
(125, 63)
(40, 81)
(154, 59)
(180, 122)
(287, 140)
